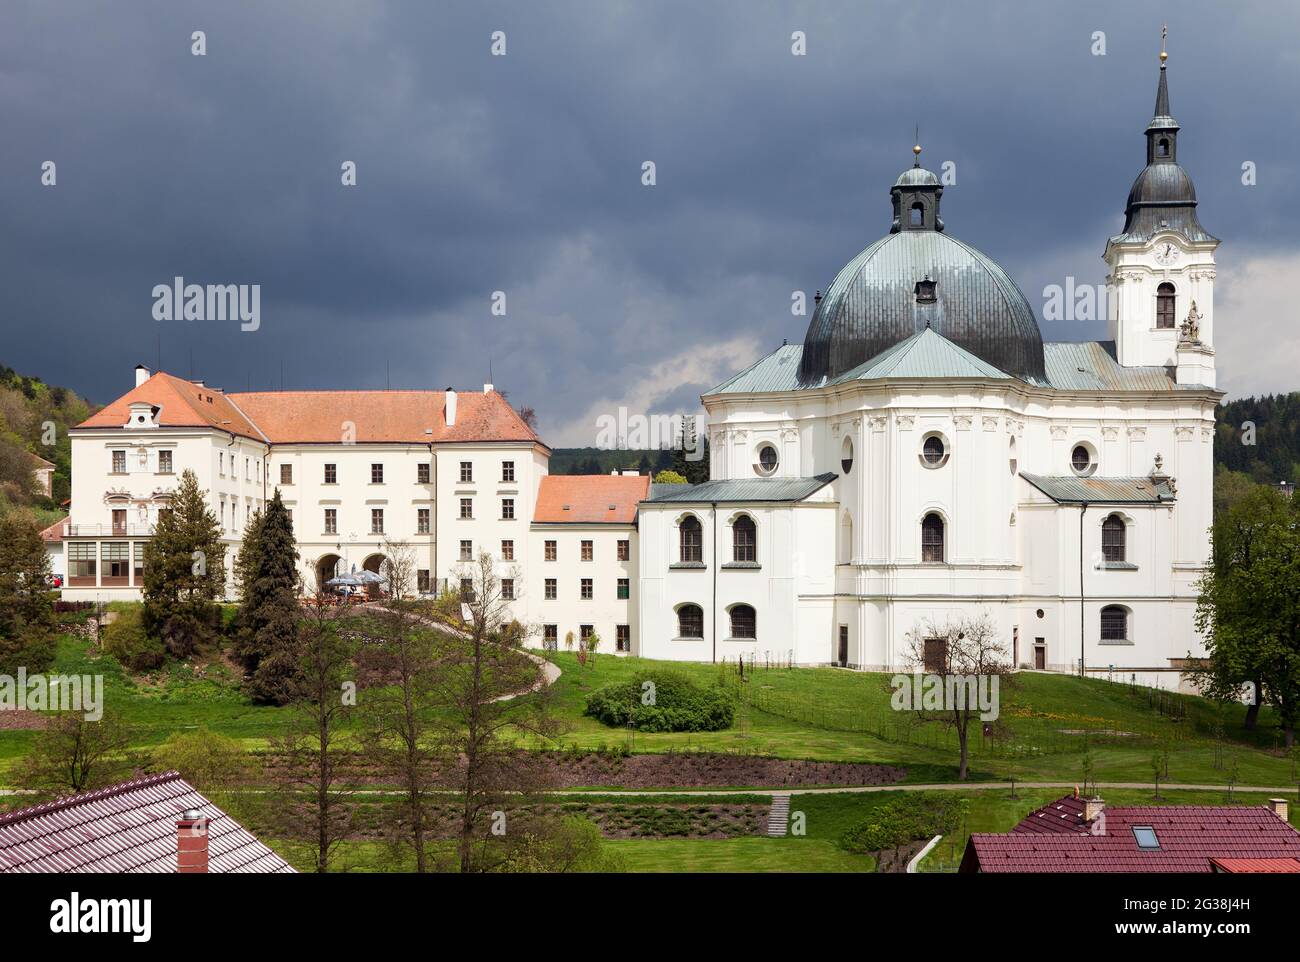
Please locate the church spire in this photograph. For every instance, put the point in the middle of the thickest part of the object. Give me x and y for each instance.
(1162, 132)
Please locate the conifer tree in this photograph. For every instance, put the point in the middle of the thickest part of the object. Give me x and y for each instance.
(268, 642)
(184, 572)
(26, 608)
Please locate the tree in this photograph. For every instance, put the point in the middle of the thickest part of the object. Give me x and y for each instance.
(1248, 610)
(399, 568)
(970, 660)
(669, 477)
(72, 755)
(267, 625)
(324, 697)
(26, 608)
(554, 845)
(217, 765)
(184, 572)
(474, 674)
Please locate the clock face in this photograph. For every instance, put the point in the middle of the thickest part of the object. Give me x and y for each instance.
(1166, 253)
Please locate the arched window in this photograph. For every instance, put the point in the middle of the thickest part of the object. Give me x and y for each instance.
(744, 539)
(1114, 623)
(932, 538)
(1162, 148)
(692, 540)
(918, 214)
(1165, 305)
(744, 623)
(1114, 538)
(690, 621)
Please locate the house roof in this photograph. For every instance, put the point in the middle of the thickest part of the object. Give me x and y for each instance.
(1069, 489)
(1057, 838)
(281, 417)
(1257, 866)
(55, 531)
(739, 490)
(589, 498)
(129, 827)
(39, 463)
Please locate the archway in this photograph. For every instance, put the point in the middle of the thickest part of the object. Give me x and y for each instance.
(376, 564)
(326, 568)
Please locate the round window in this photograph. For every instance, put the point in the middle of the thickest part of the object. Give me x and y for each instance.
(1081, 460)
(846, 455)
(934, 453)
(767, 459)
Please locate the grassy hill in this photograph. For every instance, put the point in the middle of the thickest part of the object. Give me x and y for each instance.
(32, 413)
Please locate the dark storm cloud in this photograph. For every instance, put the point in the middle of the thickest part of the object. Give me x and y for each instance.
(522, 173)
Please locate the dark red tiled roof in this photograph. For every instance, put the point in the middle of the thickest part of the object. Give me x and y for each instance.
(590, 498)
(1055, 838)
(129, 827)
(54, 532)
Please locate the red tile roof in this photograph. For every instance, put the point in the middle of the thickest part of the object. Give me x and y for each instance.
(1055, 838)
(1260, 866)
(281, 417)
(590, 498)
(55, 531)
(129, 827)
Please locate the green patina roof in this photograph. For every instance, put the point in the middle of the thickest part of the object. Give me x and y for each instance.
(927, 354)
(739, 490)
(1074, 490)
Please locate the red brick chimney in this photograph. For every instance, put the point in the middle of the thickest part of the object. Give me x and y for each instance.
(191, 842)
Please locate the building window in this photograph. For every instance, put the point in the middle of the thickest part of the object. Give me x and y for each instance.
(508, 471)
(846, 455)
(466, 508)
(550, 637)
(932, 538)
(767, 460)
(331, 474)
(1114, 623)
(466, 472)
(744, 540)
(691, 537)
(548, 589)
(1081, 460)
(624, 549)
(550, 551)
(376, 520)
(1165, 305)
(744, 623)
(934, 655)
(116, 556)
(137, 554)
(422, 581)
(507, 589)
(422, 521)
(221, 463)
(466, 551)
(422, 473)
(585, 632)
(1114, 537)
(119, 521)
(248, 469)
(934, 453)
(376, 474)
(286, 474)
(507, 551)
(584, 590)
(81, 560)
(119, 462)
(331, 520)
(690, 621)
(507, 509)
(624, 588)
(165, 462)
(587, 551)
(467, 589)
(622, 637)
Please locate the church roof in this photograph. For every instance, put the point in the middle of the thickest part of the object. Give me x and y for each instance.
(739, 490)
(927, 354)
(1091, 366)
(1071, 489)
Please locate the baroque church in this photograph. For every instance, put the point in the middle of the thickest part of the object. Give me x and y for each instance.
(924, 457)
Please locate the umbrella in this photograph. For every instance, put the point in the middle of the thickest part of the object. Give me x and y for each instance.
(349, 581)
(368, 578)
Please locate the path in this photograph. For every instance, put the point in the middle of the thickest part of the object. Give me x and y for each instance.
(778, 818)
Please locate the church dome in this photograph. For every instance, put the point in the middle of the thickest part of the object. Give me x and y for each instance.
(917, 277)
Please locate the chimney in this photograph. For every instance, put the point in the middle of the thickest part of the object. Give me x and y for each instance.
(192, 843)
(141, 374)
(1278, 807)
(488, 388)
(451, 407)
(1092, 808)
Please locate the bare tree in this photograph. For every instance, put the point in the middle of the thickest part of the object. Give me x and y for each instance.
(74, 755)
(399, 568)
(309, 746)
(969, 660)
(475, 674)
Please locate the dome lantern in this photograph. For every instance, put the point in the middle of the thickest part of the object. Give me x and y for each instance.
(916, 196)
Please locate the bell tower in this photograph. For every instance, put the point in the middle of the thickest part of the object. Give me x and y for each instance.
(1161, 279)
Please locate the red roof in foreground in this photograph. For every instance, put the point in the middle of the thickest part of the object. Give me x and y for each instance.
(590, 498)
(1056, 838)
(1259, 866)
(129, 827)
(55, 531)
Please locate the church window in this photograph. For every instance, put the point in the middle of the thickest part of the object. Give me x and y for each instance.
(932, 539)
(690, 621)
(691, 538)
(1081, 460)
(1114, 536)
(744, 540)
(1165, 305)
(846, 455)
(934, 453)
(918, 213)
(1162, 148)
(1114, 623)
(767, 459)
(744, 623)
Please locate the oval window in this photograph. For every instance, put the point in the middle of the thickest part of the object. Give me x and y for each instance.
(846, 455)
(1081, 460)
(934, 452)
(767, 459)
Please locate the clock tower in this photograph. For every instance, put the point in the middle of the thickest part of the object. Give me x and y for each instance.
(1161, 308)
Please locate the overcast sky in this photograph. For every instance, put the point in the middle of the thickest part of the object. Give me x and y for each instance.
(523, 173)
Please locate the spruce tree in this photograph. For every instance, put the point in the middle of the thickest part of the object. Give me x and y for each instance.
(26, 608)
(184, 572)
(268, 644)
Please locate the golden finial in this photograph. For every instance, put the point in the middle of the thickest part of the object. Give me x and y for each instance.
(1164, 32)
(916, 147)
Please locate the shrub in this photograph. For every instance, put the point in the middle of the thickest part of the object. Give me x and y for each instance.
(898, 821)
(679, 705)
(127, 641)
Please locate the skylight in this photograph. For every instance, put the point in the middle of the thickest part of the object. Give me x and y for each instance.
(1146, 837)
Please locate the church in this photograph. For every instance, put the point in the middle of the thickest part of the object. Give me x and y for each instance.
(922, 457)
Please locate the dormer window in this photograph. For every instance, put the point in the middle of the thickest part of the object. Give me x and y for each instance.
(925, 291)
(142, 415)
